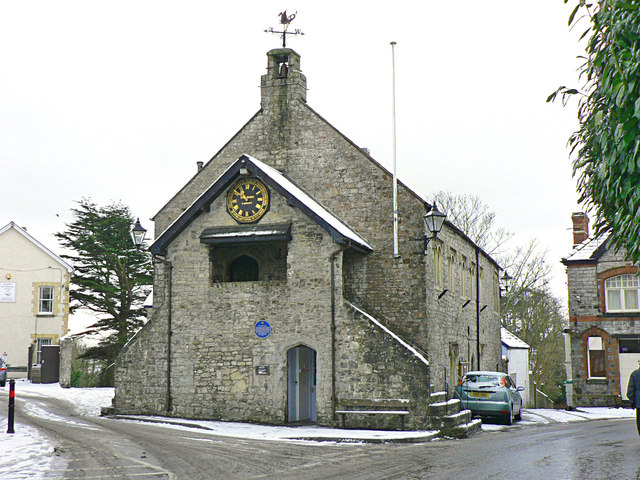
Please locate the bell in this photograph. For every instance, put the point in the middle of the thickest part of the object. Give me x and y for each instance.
(283, 70)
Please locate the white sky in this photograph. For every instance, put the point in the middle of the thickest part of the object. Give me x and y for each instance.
(118, 100)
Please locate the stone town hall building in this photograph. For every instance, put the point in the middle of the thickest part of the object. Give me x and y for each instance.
(278, 296)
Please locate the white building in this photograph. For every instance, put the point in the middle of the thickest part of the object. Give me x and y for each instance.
(517, 354)
(34, 296)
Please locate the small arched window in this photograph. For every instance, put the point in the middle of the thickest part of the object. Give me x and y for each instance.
(244, 269)
(596, 357)
(621, 293)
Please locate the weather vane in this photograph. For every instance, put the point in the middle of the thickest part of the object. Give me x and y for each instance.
(285, 20)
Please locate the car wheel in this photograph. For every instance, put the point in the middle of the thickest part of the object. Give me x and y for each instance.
(508, 419)
(518, 417)
(2, 384)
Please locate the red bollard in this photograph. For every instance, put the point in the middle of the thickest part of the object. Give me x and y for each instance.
(12, 401)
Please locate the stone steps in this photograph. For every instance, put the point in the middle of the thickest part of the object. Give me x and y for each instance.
(448, 417)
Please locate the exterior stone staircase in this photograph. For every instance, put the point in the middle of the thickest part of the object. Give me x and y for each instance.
(447, 417)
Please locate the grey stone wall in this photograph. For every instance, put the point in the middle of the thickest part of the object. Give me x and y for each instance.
(214, 348)
(66, 359)
(588, 317)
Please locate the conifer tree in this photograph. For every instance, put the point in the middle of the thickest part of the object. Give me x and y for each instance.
(111, 278)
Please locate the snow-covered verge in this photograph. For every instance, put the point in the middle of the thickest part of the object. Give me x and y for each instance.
(28, 454)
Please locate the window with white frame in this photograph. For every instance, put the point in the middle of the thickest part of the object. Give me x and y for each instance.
(45, 300)
(621, 293)
(41, 342)
(595, 346)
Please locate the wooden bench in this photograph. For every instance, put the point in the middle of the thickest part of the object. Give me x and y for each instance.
(378, 406)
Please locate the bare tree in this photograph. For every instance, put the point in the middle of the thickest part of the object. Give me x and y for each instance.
(473, 217)
(528, 309)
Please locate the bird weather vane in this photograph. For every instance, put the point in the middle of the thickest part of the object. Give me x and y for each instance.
(285, 20)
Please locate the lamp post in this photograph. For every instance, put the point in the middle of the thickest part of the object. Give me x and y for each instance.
(433, 221)
(505, 281)
(137, 234)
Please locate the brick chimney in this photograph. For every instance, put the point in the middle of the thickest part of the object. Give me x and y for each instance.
(580, 227)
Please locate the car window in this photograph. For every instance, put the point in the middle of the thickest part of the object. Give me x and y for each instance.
(484, 379)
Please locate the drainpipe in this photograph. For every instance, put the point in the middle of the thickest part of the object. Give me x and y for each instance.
(568, 367)
(332, 258)
(478, 306)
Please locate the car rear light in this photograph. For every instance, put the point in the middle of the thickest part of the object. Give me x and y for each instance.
(2, 369)
(503, 382)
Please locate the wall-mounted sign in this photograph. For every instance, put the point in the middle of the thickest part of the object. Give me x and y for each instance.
(262, 329)
(262, 370)
(7, 292)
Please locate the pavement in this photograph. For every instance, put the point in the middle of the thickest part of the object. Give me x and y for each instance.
(530, 418)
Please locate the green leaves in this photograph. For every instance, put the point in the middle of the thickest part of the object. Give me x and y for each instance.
(111, 277)
(606, 146)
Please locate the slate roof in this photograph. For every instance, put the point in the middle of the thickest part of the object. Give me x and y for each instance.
(339, 231)
(509, 340)
(589, 250)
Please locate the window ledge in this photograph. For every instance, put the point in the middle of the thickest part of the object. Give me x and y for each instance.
(597, 380)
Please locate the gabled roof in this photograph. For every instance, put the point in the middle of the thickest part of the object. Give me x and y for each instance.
(588, 251)
(23, 232)
(339, 231)
(509, 340)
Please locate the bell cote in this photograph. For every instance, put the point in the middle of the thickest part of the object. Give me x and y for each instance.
(283, 82)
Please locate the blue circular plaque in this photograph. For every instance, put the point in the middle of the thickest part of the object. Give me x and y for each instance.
(262, 329)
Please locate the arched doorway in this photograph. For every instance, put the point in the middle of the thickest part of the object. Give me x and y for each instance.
(301, 367)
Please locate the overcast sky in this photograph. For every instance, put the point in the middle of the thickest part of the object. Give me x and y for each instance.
(118, 100)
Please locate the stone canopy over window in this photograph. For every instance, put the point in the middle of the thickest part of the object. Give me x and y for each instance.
(248, 253)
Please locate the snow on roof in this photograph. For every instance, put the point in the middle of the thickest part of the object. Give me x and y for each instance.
(310, 203)
(510, 340)
(586, 249)
(396, 337)
(19, 229)
(148, 303)
(283, 183)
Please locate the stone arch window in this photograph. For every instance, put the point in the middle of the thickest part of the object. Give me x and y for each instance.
(622, 293)
(437, 264)
(595, 347)
(244, 269)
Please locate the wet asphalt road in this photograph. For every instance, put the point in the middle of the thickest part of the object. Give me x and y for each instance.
(101, 448)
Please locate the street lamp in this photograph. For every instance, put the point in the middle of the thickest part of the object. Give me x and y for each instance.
(433, 221)
(137, 234)
(506, 281)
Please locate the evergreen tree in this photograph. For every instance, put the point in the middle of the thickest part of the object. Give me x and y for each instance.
(111, 277)
(607, 144)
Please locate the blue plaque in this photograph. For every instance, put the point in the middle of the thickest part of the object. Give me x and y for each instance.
(262, 329)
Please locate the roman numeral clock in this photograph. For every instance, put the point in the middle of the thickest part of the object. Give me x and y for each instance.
(248, 200)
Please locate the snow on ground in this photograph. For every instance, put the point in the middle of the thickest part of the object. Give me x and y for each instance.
(24, 454)
(27, 453)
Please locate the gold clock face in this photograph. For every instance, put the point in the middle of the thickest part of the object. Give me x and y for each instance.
(248, 200)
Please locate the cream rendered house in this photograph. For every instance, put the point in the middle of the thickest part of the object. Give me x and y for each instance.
(34, 296)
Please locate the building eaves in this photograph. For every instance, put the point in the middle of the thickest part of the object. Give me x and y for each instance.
(427, 205)
(23, 232)
(588, 251)
(511, 341)
(339, 231)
